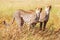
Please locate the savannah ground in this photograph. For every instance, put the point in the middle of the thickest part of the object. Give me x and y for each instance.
(7, 9)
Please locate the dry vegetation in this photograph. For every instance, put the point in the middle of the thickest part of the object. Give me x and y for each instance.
(12, 32)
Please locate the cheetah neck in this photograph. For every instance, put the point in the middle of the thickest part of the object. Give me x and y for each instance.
(47, 11)
(38, 13)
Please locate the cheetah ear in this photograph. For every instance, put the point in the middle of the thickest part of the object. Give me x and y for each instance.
(50, 6)
(41, 9)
